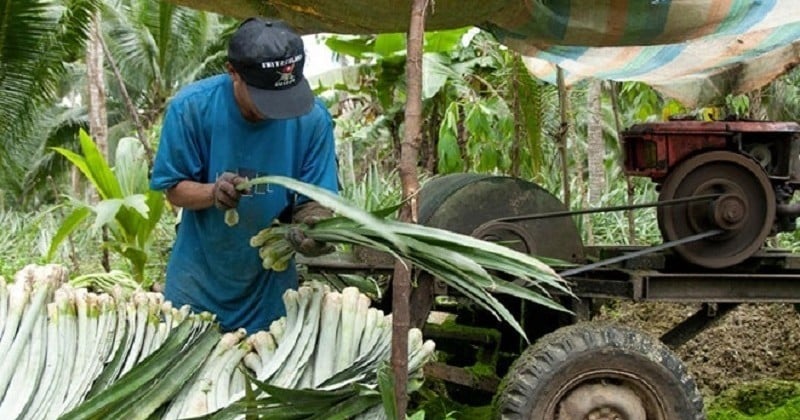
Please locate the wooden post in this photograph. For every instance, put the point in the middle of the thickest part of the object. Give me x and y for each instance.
(407, 167)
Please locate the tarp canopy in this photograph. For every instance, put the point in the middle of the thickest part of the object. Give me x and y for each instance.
(692, 50)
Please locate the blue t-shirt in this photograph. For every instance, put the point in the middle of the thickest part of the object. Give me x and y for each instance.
(212, 266)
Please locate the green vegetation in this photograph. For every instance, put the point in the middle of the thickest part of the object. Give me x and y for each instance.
(763, 400)
(128, 209)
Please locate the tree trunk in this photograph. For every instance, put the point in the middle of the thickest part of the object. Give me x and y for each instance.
(614, 92)
(462, 136)
(407, 166)
(431, 143)
(757, 110)
(596, 150)
(519, 131)
(563, 131)
(98, 121)
(134, 113)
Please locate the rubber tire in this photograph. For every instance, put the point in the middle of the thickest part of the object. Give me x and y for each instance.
(536, 377)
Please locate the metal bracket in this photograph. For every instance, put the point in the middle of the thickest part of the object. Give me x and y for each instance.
(708, 315)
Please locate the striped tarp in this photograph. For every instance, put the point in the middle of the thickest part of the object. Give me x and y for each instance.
(692, 50)
(727, 45)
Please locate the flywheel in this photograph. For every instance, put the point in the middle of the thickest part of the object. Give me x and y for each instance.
(471, 203)
(744, 209)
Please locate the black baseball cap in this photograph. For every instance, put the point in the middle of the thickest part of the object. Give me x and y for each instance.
(269, 56)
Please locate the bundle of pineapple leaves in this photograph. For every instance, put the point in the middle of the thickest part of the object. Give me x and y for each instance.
(475, 268)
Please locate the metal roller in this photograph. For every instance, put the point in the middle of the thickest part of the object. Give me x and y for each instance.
(471, 204)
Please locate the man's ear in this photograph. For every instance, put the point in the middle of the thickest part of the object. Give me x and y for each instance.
(229, 67)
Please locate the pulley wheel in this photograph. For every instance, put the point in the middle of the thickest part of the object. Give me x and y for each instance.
(471, 203)
(744, 210)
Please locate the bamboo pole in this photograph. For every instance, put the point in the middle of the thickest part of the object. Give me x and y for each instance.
(407, 167)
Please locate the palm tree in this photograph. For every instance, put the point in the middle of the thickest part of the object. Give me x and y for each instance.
(155, 48)
(37, 38)
(158, 48)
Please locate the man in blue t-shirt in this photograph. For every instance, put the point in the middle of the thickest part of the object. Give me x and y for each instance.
(261, 118)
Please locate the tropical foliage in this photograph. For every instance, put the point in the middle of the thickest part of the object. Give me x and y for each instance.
(37, 38)
(476, 97)
(152, 49)
(127, 206)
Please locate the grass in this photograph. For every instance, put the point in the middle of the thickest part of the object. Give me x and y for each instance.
(26, 236)
(762, 400)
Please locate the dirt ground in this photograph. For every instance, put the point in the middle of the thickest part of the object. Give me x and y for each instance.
(750, 343)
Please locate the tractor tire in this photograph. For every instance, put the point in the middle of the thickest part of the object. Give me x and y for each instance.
(598, 371)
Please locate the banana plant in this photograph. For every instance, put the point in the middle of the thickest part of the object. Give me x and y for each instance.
(479, 99)
(127, 206)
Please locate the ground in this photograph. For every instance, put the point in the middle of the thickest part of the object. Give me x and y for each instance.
(751, 343)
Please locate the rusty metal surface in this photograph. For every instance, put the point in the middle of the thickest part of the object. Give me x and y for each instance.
(746, 210)
(653, 149)
(654, 156)
(712, 127)
(722, 287)
(768, 276)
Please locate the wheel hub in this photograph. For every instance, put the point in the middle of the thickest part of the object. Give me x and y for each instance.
(602, 402)
(605, 413)
(730, 212)
(510, 234)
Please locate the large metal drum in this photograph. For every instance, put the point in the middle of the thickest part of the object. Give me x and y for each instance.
(471, 203)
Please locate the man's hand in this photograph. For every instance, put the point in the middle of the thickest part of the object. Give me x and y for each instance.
(308, 214)
(226, 196)
(302, 244)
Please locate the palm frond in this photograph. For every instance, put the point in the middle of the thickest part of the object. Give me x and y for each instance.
(36, 38)
(58, 127)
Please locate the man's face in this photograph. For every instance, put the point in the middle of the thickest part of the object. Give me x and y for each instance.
(246, 106)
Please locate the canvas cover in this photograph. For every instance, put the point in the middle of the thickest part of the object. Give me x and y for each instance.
(691, 50)
(730, 46)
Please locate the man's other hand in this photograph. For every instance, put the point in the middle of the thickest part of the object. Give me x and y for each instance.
(308, 213)
(302, 244)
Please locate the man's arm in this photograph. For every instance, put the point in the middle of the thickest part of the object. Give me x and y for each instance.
(198, 196)
(191, 195)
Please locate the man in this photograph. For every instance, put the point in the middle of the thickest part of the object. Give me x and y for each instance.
(261, 118)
